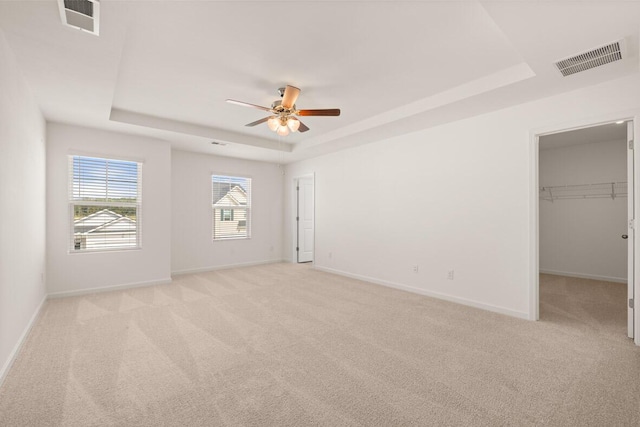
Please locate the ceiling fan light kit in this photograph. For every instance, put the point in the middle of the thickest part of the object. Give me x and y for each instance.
(273, 123)
(282, 125)
(283, 131)
(284, 121)
(293, 124)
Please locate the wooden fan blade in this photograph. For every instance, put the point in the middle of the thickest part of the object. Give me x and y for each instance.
(257, 122)
(290, 95)
(325, 112)
(246, 104)
(303, 127)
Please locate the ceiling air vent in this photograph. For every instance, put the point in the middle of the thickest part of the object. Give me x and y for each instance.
(81, 14)
(594, 58)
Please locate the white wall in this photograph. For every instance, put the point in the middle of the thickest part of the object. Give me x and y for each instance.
(22, 206)
(460, 194)
(78, 272)
(582, 237)
(192, 247)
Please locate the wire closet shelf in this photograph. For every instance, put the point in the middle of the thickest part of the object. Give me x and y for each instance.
(602, 190)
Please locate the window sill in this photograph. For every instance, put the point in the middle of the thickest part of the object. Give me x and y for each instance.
(102, 251)
(230, 238)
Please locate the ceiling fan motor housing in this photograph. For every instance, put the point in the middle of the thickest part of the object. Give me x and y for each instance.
(277, 107)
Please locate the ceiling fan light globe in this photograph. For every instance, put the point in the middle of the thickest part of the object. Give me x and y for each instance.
(293, 124)
(283, 131)
(273, 123)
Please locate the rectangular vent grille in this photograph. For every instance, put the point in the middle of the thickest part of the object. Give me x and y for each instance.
(594, 58)
(81, 14)
(84, 7)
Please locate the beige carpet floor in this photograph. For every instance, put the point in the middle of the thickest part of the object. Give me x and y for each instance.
(282, 344)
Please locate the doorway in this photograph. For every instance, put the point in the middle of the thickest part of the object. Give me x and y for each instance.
(305, 221)
(585, 213)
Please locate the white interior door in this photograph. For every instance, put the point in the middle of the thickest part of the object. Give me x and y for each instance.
(305, 219)
(631, 232)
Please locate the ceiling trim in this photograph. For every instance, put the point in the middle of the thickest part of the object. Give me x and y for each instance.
(220, 135)
(502, 78)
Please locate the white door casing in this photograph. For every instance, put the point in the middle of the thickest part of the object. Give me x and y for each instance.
(633, 117)
(631, 230)
(305, 220)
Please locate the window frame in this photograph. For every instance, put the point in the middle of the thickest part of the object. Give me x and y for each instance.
(223, 217)
(248, 208)
(72, 203)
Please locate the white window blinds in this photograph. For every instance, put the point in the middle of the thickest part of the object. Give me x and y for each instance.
(231, 207)
(105, 203)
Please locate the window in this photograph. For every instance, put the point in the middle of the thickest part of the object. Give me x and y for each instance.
(226, 214)
(231, 204)
(105, 203)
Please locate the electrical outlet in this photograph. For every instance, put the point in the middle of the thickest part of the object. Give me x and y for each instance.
(450, 275)
(330, 255)
(270, 248)
(415, 268)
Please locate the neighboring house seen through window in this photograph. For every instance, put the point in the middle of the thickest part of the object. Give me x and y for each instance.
(231, 204)
(105, 203)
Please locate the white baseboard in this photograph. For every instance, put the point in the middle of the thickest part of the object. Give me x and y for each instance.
(109, 288)
(224, 267)
(450, 298)
(585, 276)
(16, 349)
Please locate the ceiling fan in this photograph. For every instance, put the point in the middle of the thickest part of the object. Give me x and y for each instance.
(284, 111)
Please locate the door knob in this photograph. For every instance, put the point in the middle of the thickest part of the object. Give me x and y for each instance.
(624, 236)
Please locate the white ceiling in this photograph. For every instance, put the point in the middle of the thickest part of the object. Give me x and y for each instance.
(164, 69)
